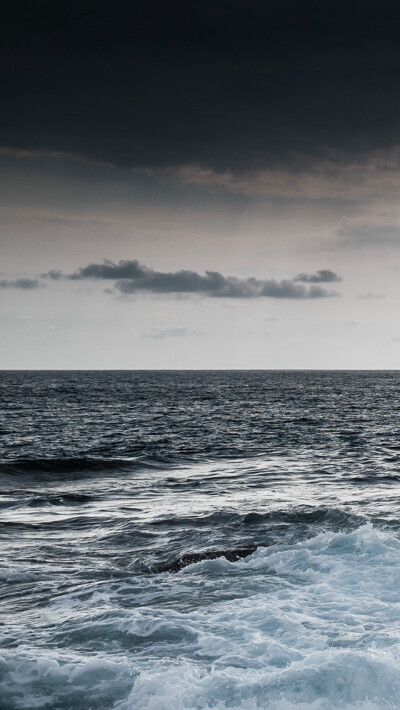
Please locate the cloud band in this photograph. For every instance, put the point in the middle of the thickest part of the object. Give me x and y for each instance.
(131, 277)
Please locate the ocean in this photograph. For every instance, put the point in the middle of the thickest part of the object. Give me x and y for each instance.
(199, 540)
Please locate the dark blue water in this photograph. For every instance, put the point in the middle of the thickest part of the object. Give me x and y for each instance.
(199, 540)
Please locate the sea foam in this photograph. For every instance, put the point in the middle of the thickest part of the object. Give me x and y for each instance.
(317, 629)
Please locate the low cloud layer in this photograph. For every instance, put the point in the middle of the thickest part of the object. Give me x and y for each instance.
(26, 284)
(131, 277)
(58, 155)
(369, 295)
(321, 276)
(335, 175)
(163, 333)
(364, 236)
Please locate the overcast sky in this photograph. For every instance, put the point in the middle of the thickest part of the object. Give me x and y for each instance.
(200, 185)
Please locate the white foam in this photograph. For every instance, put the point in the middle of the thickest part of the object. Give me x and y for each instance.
(314, 625)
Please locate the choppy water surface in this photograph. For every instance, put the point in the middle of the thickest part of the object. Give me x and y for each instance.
(183, 541)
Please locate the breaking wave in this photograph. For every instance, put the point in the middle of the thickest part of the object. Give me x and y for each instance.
(309, 625)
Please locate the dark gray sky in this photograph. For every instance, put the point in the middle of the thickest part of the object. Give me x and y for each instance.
(237, 164)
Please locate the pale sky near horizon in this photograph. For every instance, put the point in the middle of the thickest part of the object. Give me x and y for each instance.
(188, 145)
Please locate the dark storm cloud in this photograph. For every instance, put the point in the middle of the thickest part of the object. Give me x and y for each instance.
(321, 276)
(26, 284)
(152, 83)
(132, 277)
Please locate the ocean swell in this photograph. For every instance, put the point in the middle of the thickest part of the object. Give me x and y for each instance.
(317, 627)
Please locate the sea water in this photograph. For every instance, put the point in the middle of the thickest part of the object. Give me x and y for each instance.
(199, 540)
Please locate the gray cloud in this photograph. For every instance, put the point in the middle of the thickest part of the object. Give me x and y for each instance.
(290, 289)
(162, 333)
(54, 274)
(370, 295)
(26, 284)
(364, 236)
(132, 277)
(125, 269)
(321, 276)
(21, 153)
(333, 175)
